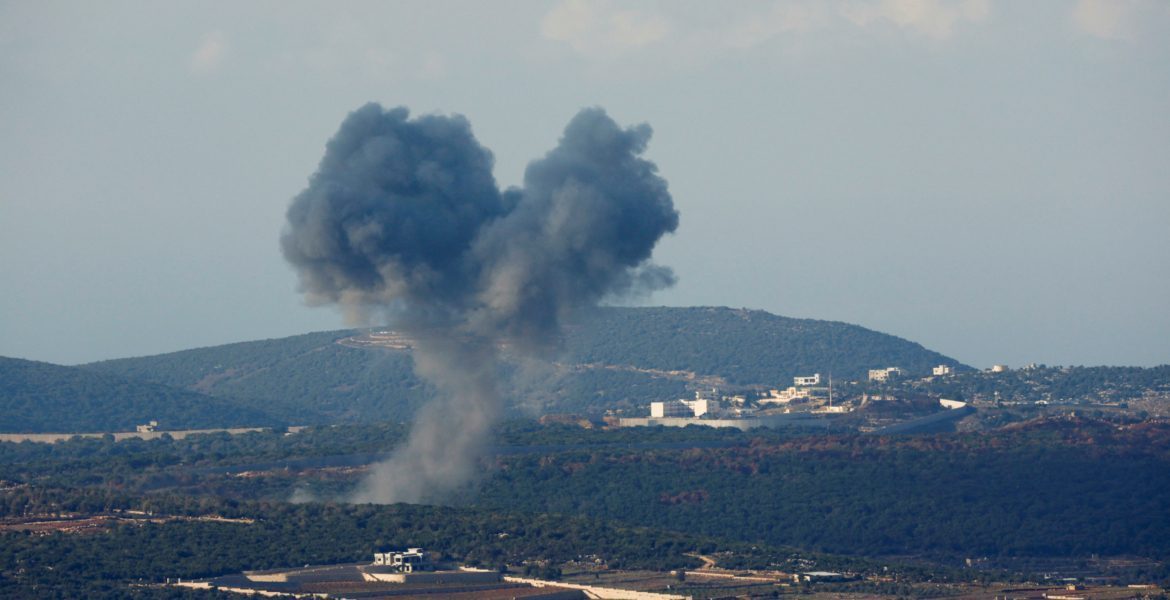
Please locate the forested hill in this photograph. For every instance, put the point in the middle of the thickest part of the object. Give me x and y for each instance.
(38, 397)
(614, 358)
(307, 379)
(742, 346)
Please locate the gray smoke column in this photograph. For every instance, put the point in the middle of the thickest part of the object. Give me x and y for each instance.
(403, 218)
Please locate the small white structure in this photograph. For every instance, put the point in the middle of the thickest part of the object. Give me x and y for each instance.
(814, 379)
(943, 370)
(147, 428)
(999, 368)
(785, 396)
(885, 374)
(813, 576)
(413, 559)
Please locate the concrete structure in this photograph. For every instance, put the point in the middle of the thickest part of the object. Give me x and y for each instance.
(408, 561)
(951, 403)
(780, 397)
(794, 394)
(814, 379)
(685, 408)
(885, 374)
(672, 408)
(942, 370)
(813, 576)
(147, 428)
(955, 410)
(432, 577)
(703, 406)
(740, 411)
(999, 368)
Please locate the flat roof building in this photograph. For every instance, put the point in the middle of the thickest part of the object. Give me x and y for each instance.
(670, 408)
(814, 379)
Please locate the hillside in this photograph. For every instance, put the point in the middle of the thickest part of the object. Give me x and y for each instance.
(308, 379)
(614, 358)
(40, 397)
(742, 346)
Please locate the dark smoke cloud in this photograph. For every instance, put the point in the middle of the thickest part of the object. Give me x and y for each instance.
(589, 215)
(404, 216)
(392, 211)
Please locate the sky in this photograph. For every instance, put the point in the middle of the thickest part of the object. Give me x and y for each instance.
(988, 178)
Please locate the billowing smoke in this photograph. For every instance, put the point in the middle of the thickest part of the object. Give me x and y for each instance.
(403, 218)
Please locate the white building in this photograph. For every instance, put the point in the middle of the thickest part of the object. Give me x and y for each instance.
(814, 379)
(671, 408)
(999, 368)
(413, 559)
(685, 408)
(784, 396)
(794, 394)
(885, 374)
(943, 370)
(703, 407)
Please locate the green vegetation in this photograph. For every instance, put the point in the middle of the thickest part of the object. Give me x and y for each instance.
(286, 535)
(1051, 488)
(620, 358)
(42, 397)
(136, 466)
(1054, 490)
(305, 379)
(742, 346)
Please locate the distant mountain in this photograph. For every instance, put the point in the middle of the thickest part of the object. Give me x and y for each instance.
(743, 346)
(38, 397)
(613, 358)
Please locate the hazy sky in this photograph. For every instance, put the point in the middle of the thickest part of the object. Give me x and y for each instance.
(988, 178)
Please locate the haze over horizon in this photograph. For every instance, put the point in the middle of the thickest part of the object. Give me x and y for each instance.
(990, 179)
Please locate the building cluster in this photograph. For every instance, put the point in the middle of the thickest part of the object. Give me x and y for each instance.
(814, 392)
(810, 389)
(803, 389)
(704, 405)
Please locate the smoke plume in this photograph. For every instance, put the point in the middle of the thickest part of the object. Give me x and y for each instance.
(404, 219)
